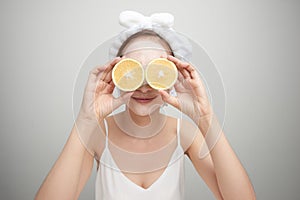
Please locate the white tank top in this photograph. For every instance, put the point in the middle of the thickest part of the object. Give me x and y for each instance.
(112, 184)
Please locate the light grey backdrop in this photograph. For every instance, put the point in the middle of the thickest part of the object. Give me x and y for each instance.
(255, 45)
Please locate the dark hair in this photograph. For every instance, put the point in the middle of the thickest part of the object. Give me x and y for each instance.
(145, 32)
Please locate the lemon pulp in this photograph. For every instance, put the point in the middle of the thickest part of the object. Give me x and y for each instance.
(128, 74)
(161, 74)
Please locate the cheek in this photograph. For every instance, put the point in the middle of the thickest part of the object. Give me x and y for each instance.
(159, 100)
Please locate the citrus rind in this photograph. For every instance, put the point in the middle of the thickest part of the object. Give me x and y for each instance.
(128, 75)
(161, 74)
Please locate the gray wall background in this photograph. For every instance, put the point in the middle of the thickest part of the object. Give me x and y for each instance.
(255, 45)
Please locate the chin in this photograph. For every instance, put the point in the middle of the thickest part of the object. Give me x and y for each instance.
(142, 113)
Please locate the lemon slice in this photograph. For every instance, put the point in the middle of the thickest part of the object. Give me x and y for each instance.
(128, 74)
(161, 74)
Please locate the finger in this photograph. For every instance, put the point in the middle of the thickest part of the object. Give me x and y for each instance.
(182, 74)
(192, 71)
(98, 69)
(179, 86)
(163, 56)
(190, 74)
(124, 98)
(186, 67)
(94, 74)
(106, 75)
(180, 77)
(109, 69)
(185, 74)
(95, 71)
(181, 66)
(104, 88)
(169, 99)
(110, 87)
(100, 88)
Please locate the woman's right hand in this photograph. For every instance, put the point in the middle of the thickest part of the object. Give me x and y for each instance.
(98, 101)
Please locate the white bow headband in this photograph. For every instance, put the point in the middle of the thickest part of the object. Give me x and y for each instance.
(129, 19)
(160, 23)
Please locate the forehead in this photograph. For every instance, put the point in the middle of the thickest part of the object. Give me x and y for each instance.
(145, 55)
(145, 49)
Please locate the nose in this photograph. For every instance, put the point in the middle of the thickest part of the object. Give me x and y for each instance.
(145, 88)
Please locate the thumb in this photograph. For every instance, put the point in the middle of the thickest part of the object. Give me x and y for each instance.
(124, 98)
(169, 99)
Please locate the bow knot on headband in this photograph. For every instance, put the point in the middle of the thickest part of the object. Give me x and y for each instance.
(160, 23)
(130, 19)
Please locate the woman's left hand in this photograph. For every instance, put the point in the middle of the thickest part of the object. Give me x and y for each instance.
(191, 96)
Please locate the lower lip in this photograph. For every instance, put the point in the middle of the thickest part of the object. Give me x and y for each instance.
(143, 100)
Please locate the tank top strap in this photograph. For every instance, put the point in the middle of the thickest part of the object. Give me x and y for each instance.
(178, 131)
(106, 133)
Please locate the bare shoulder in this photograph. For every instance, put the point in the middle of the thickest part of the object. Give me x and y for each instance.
(189, 132)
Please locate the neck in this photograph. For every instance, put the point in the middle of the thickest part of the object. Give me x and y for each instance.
(141, 126)
(144, 121)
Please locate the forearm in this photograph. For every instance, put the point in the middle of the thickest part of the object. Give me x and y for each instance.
(63, 180)
(232, 178)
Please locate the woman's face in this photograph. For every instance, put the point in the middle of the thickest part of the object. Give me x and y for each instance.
(145, 99)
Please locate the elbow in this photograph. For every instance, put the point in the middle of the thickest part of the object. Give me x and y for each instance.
(252, 196)
(248, 194)
(251, 191)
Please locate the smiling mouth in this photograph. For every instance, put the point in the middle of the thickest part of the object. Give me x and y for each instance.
(143, 99)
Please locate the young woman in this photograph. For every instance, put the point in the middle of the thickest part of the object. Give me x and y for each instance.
(140, 151)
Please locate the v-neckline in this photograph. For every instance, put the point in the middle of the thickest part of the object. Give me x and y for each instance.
(133, 183)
